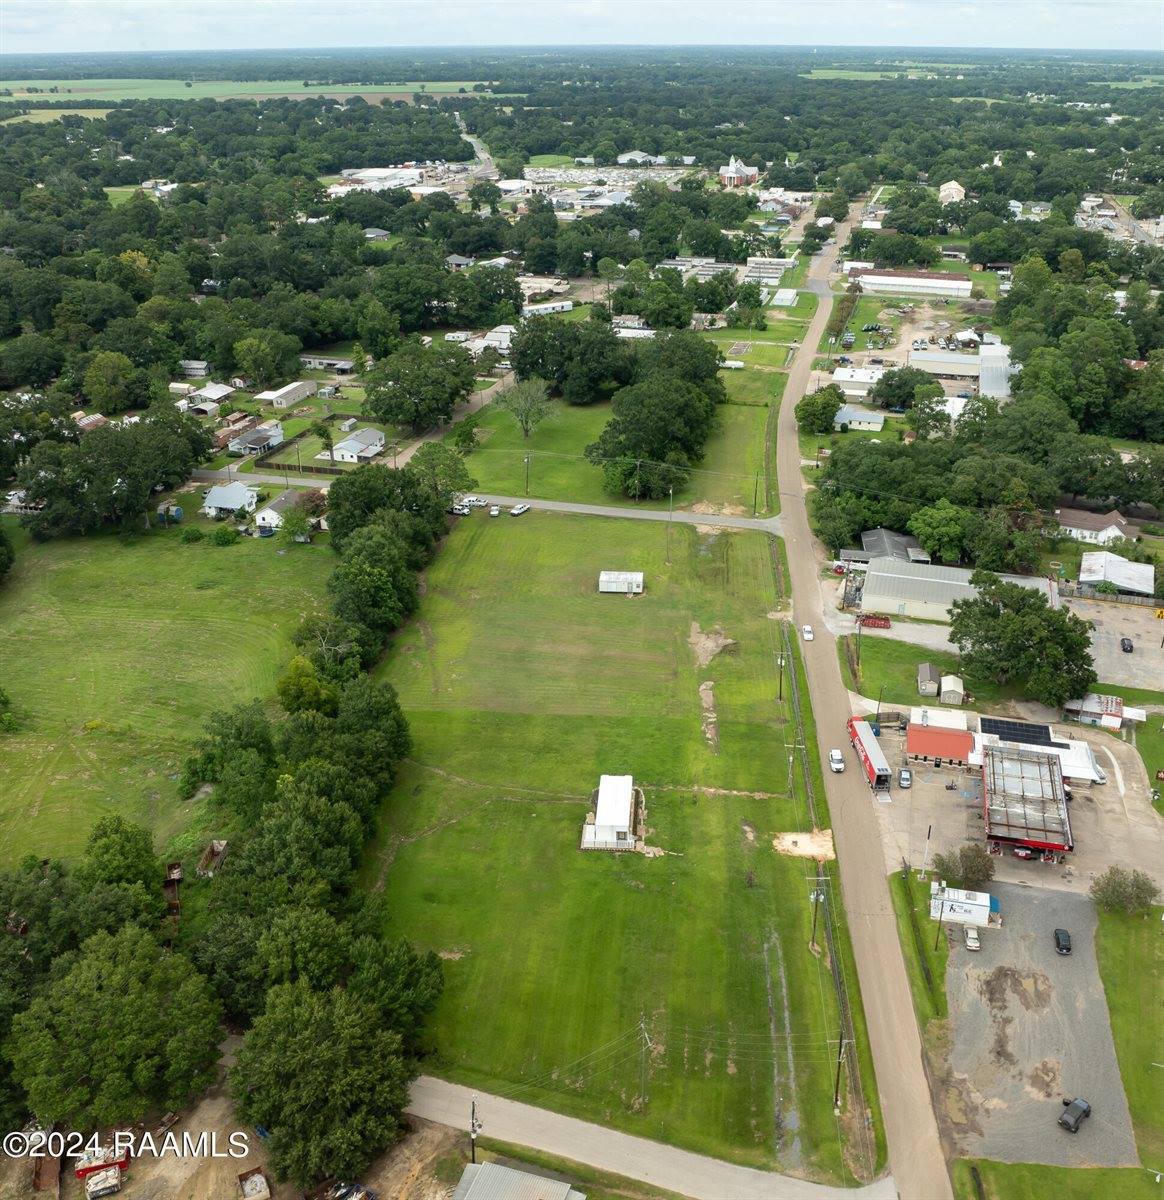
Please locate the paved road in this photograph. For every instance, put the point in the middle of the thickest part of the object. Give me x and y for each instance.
(915, 1152)
(680, 517)
(650, 1162)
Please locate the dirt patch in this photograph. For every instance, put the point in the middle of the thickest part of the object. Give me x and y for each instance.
(1032, 989)
(704, 508)
(451, 955)
(959, 1106)
(749, 831)
(407, 1170)
(816, 844)
(709, 720)
(1045, 1081)
(707, 645)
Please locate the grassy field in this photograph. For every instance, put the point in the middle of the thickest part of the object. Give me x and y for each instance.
(119, 195)
(761, 346)
(42, 116)
(810, 443)
(754, 387)
(925, 965)
(202, 89)
(893, 665)
(114, 652)
(558, 471)
(522, 685)
(1036, 1181)
(551, 160)
(867, 312)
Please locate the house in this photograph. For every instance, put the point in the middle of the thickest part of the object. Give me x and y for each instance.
(325, 362)
(194, 368)
(915, 589)
(929, 679)
(849, 416)
(289, 393)
(457, 262)
(492, 1181)
(952, 690)
(500, 337)
(1104, 567)
(912, 283)
(360, 446)
(1109, 712)
(737, 174)
(372, 234)
(622, 583)
(258, 440)
(1098, 528)
(611, 826)
(87, 423)
(270, 516)
(225, 499)
(951, 192)
(217, 392)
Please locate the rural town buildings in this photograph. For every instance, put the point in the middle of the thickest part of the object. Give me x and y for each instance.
(612, 823)
(289, 394)
(270, 516)
(738, 174)
(951, 192)
(1083, 526)
(360, 446)
(914, 589)
(912, 283)
(225, 499)
(1102, 566)
(849, 416)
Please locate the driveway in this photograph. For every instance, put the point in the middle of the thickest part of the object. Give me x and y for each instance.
(1029, 1027)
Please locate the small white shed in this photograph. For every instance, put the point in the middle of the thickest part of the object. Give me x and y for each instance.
(623, 583)
(953, 692)
(612, 824)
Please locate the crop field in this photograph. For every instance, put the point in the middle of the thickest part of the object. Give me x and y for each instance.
(42, 116)
(725, 479)
(212, 89)
(114, 652)
(522, 685)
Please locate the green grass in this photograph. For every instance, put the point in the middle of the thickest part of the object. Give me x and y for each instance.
(580, 312)
(893, 664)
(868, 311)
(1131, 963)
(987, 280)
(114, 653)
(796, 276)
(803, 310)
(522, 685)
(558, 470)
(551, 160)
(754, 387)
(915, 929)
(42, 116)
(1036, 1181)
(763, 348)
(810, 443)
(214, 89)
(119, 195)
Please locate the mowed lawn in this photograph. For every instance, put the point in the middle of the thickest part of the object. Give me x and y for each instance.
(522, 685)
(114, 652)
(726, 479)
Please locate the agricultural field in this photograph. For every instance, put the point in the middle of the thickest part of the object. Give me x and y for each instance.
(42, 116)
(212, 89)
(522, 685)
(558, 470)
(115, 651)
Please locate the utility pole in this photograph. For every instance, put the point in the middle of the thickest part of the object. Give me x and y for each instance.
(670, 513)
(756, 496)
(837, 1085)
(941, 915)
(859, 627)
(780, 664)
(646, 1045)
(474, 1129)
(527, 474)
(815, 896)
(926, 855)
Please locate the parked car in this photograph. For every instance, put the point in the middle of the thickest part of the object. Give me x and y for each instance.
(518, 509)
(972, 940)
(1074, 1113)
(905, 778)
(1126, 645)
(806, 633)
(495, 511)
(1062, 941)
(460, 510)
(836, 761)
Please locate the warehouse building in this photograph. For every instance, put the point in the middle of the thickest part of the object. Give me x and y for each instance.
(857, 382)
(928, 744)
(926, 591)
(912, 283)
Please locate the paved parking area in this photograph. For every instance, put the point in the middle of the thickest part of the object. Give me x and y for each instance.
(1144, 667)
(1027, 1028)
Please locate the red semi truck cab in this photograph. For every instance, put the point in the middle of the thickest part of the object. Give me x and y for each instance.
(869, 754)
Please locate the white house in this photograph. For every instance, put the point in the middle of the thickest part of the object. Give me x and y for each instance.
(611, 825)
(225, 499)
(737, 174)
(288, 394)
(951, 192)
(360, 446)
(1099, 528)
(270, 516)
(622, 583)
(852, 417)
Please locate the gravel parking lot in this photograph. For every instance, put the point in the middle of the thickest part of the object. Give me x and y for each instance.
(1144, 667)
(1029, 1027)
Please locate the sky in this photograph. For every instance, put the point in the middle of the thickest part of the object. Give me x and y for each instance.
(32, 26)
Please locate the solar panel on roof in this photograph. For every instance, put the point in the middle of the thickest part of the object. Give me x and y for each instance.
(1022, 732)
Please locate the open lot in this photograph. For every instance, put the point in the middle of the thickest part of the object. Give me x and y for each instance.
(522, 685)
(726, 479)
(114, 653)
(1144, 667)
(1028, 1027)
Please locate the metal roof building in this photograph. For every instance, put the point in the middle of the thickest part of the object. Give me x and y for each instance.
(1102, 566)
(623, 583)
(913, 589)
(1023, 799)
(492, 1181)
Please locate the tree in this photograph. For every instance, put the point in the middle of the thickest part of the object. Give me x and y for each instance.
(440, 470)
(527, 402)
(484, 192)
(322, 1074)
(970, 866)
(895, 389)
(120, 852)
(109, 381)
(373, 584)
(1009, 632)
(30, 360)
(305, 943)
(7, 553)
(816, 412)
(1120, 890)
(300, 687)
(295, 526)
(419, 385)
(266, 355)
(322, 430)
(126, 1028)
(940, 527)
(927, 415)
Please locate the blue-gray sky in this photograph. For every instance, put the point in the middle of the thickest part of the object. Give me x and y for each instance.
(88, 25)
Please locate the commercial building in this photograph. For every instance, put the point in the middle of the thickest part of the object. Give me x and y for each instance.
(1098, 528)
(1024, 802)
(1104, 567)
(995, 370)
(1076, 760)
(966, 908)
(611, 826)
(939, 718)
(912, 283)
(926, 591)
(857, 381)
(849, 416)
(926, 743)
(885, 543)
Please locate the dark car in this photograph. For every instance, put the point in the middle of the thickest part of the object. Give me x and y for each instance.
(1074, 1113)
(1126, 645)
(1062, 941)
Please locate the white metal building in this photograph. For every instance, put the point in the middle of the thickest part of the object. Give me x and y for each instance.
(946, 362)
(784, 298)
(1102, 566)
(492, 1181)
(912, 283)
(852, 417)
(289, 393)
(925, 590)
(967, 908)
(544, 310)
(857, 381)
(623, 583)
(612, 824)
